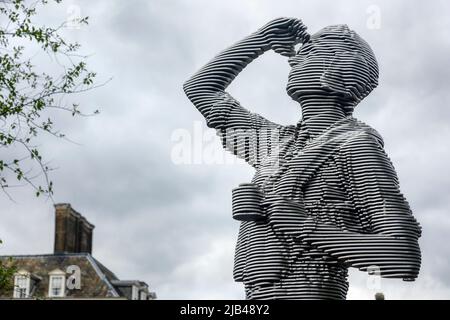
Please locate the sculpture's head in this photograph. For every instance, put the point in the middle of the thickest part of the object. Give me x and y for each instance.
(334, 62)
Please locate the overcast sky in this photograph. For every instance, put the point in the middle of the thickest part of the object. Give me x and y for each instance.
(170, 224)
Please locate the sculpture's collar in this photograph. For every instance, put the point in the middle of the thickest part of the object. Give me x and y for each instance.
(319, 124)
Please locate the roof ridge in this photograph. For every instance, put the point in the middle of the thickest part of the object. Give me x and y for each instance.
(100, 273)
(111, 275)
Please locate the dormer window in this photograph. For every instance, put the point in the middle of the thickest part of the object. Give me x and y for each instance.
(22, 285)
(57, 284)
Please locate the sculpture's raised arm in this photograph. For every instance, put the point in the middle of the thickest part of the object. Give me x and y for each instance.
(205, 87)
(241, 131)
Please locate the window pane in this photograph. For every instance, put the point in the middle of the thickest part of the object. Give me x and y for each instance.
(22, 293)
(21, 287)
(56, 286)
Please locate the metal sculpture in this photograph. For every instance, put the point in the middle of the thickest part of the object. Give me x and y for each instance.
(325, 196)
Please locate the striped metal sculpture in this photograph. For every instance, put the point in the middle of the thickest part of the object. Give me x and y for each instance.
(325, 196)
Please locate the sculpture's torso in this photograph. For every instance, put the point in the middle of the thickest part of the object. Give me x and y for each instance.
(269, 259)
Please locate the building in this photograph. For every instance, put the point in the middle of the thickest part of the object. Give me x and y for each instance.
(71, 272)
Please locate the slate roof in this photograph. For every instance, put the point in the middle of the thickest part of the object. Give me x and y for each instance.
(95, 277)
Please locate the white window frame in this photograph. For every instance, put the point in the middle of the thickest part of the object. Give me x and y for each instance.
(143, 295)
(134, 292)
(20, 275)
(55, 274)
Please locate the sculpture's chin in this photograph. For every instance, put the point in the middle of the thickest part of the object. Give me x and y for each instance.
(300, 91)
(297, 93)
(294, 96)
(293, 92)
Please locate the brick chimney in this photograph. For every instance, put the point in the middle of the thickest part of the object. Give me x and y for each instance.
(73, 233)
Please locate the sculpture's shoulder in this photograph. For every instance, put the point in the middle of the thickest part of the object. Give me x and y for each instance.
(362, 132)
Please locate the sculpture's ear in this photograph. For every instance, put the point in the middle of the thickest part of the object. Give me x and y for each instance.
(348, 75)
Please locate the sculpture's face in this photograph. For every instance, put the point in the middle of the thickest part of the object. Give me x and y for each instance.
(308, 65)
(335, 61)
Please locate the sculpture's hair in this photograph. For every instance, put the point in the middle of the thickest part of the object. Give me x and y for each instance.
(353, 71)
